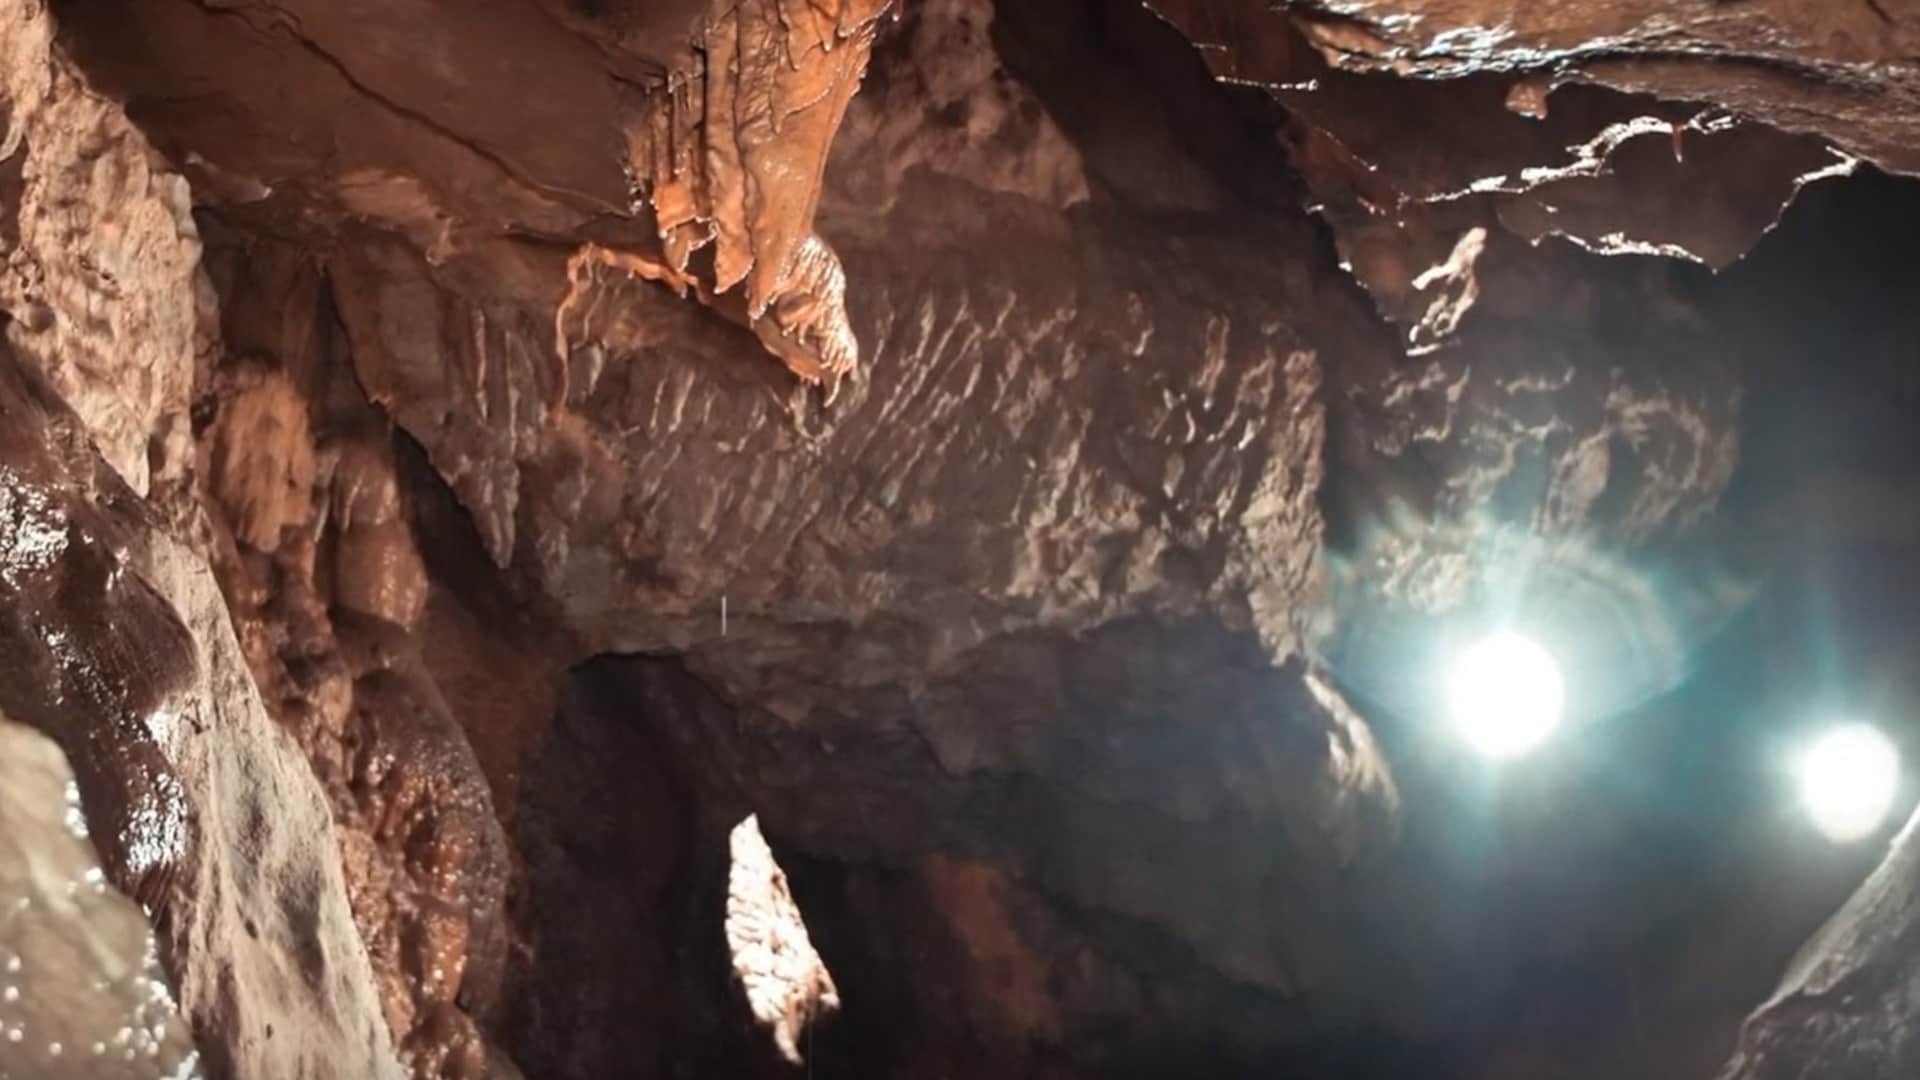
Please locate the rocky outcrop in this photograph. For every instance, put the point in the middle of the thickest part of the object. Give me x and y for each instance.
(657, 135)
(1844, 73)
(732, 151)
(99, 257)
(1533, 148)
(120, 649)
(316, 556)
(1843, 1010)
(81, 991)
(116, 642)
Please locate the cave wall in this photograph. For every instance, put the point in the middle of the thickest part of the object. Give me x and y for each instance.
(117, 643)
(203, 810)
(1150, 383)
(81, 991)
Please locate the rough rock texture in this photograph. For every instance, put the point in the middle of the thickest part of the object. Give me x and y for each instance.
(327, 592)
(653, 135)
(81, 990)
(1844, 72)
(788, 987)
(933, 649)
(1073, 648)
(116, 642)
(1061, 643)
(99, 258)
(1844, 1010)
(732, 150)
(119, 647)
(940, 99)
(1612, 171)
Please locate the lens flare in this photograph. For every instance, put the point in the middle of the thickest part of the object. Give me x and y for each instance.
(1848, 780)
(1505, 695)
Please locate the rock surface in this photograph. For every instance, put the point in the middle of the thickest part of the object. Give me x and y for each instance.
(119, 648)
(117, 644)
(1845, 1007)
(1842, 72)
(81, 991)
(316, 556)
(99, 257)
(1188, 375)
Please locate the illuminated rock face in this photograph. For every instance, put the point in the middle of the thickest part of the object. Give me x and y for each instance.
(787, 986)
(1844, 1009)
(81, 991)
(119, 648)
(459, 465)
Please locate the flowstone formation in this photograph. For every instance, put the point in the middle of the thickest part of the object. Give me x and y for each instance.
(1025, 459)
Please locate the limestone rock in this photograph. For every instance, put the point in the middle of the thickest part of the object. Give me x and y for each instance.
(99, 256)
(1216, 364)
(80, 981)
(315, 554)
(1843, 1010)
(120, 648)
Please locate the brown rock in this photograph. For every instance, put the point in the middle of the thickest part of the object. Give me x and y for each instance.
(262, 467)
(1524, 152)
(327, 589)
(1843, 72)
(1071, 648)
(120, 648)
(707, 128)
(99, 257)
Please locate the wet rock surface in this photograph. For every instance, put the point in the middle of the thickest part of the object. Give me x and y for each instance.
(119, 647)
(81, 990)
(328, 591)
(1161, 390)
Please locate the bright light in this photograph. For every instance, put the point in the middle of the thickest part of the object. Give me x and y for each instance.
(1848, 780)
(1505, 694)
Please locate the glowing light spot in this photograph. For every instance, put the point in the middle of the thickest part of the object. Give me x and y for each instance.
(1505, 695)
(1848, 780)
